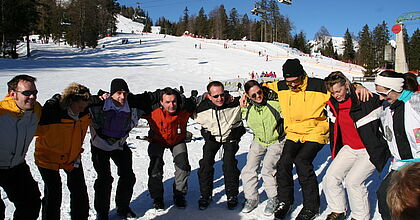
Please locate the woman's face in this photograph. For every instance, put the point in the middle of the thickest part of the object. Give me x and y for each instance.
(339, 92)
(387, 94)
(78, 106)
(256, 94)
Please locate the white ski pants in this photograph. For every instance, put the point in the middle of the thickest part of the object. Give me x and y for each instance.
(351, 168)
(268, 172)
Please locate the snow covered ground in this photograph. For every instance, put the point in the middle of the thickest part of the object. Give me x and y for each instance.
(158, 62)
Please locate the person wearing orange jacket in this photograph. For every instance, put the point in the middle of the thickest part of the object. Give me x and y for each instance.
(59, 139)
(168, 127)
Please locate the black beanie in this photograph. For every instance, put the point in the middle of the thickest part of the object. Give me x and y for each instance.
(118, 85)
(292, 68)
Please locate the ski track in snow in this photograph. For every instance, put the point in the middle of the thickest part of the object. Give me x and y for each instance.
(159, 62)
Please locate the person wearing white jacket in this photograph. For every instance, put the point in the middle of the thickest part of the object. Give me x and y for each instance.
(401, 121)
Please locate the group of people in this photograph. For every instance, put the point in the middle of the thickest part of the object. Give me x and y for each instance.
(291, 121)
(270, 74)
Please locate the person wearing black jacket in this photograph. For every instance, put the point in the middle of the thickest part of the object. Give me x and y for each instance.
(357, 148)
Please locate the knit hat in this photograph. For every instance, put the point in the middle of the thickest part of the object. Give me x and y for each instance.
(118, 85)
(292, 68)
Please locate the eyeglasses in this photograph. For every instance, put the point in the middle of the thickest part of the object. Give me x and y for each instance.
(28, 92)
(384, 94)
(260, 92)
(219, 95)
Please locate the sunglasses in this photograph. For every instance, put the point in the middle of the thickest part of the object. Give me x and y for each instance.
(260, 92)
(384, 94)
(28, 92)
(298, 80)
(333, 77)
(219, 95)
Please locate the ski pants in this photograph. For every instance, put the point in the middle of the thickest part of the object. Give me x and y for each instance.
(22, 190)
(381, 194)
(302, 155)
(249, 174)
(79, 200)
(155, 171)
(103, 184)
(352, 167)
(230, 167)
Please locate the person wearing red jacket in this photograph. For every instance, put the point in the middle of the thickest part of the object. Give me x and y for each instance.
(168, 126)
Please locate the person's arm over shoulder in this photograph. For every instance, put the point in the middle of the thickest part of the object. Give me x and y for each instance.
(144, 101)
(51, 111)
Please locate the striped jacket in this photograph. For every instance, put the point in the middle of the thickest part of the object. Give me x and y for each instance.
(365, 116)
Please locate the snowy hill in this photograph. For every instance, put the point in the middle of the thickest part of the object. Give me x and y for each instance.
(158, 62)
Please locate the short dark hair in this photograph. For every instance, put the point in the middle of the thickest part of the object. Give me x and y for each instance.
(168, 91)
(215, 83)
(12, 84)
(251, 83)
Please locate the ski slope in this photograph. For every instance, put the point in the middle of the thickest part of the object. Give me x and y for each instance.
(161, 61)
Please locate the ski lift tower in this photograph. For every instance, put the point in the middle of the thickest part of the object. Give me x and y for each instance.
(401, 65)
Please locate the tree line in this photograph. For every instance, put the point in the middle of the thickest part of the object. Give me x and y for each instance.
(81, 23)
(370, 47)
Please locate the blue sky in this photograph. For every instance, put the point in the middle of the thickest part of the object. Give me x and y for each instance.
(307, 15)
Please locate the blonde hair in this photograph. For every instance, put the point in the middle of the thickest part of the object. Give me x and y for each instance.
(403, 195)
(73, 93)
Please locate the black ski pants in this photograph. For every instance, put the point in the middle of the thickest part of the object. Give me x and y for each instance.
(79, 200)
(302, 155)
(22, 190)
(230, 167)
(381, 193)
(155, 171)
(103, 184)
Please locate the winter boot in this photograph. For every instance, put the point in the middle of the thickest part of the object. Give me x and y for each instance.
(249, 205)
(271, 206)
(204, 202)
(282, 210)
(232, 202)
(307, 214)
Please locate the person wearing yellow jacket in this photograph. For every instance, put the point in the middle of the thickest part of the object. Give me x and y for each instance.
(19, 117)
(59, 140)
(302, 101)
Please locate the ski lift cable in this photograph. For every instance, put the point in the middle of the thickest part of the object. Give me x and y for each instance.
(173, 3)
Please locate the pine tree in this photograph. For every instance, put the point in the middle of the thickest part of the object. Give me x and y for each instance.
(201, 23)
(380, 37)
(413, 55)
(365, 54)
(233, 24)
(328, 49)
(349, 53)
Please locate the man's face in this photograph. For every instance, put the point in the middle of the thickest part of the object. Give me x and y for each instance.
(25, 95)
(119, 97)
(217, 95)
(169, 103)
(294, 82)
